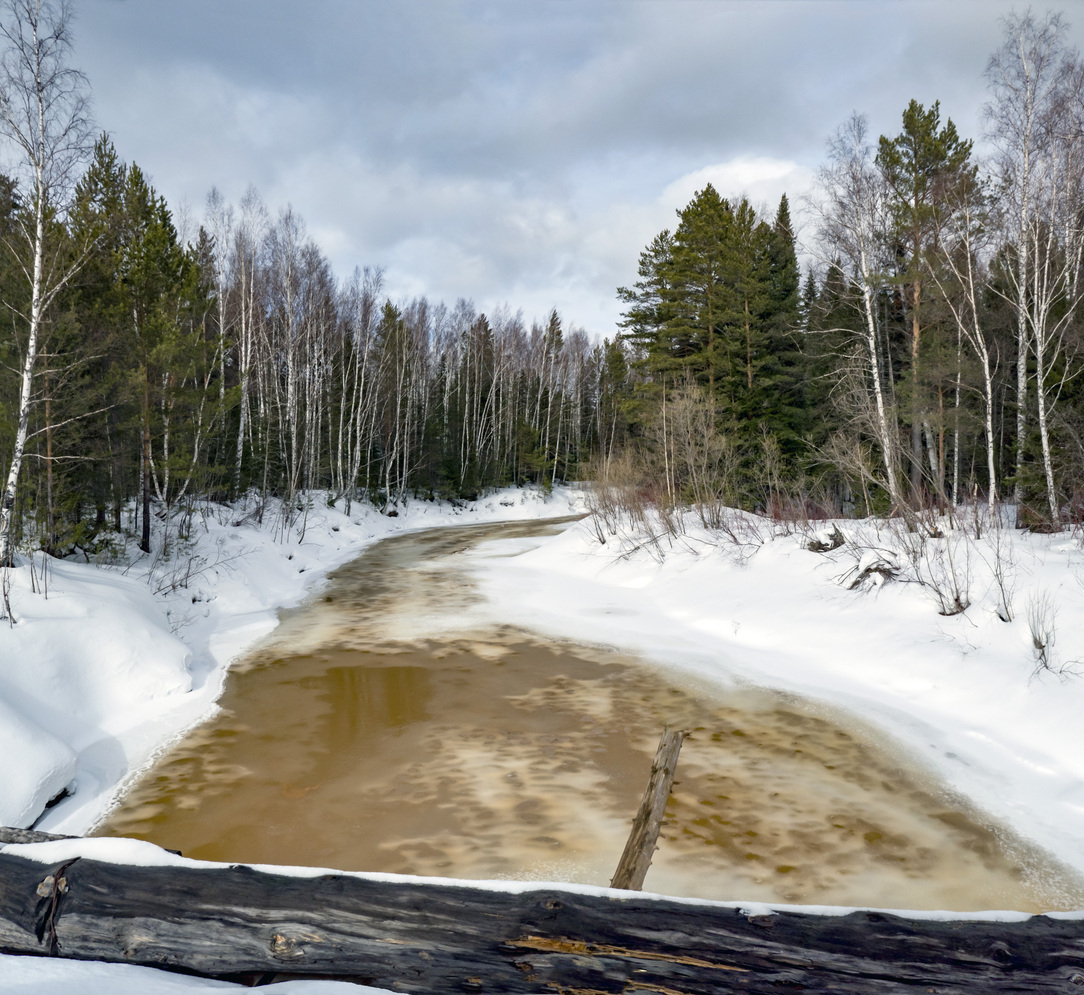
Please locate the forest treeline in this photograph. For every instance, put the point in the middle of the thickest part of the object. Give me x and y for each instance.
(235, 361)
(932, 355)
(929, 356)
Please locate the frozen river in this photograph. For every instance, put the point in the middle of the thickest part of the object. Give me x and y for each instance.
(379, 729)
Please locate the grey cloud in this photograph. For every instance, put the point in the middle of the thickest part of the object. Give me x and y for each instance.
(495, 149)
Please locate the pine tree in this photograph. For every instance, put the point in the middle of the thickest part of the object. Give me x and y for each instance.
(919, 165)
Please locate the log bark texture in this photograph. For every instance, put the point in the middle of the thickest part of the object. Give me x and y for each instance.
(445, 939)
(10, 835)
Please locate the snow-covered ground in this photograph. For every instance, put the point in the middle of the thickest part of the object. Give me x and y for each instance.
(113, 663)
(102, 665)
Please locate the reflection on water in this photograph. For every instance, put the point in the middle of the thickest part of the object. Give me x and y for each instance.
(489, 754)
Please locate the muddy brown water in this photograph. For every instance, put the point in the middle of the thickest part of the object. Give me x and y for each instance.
(375, 732)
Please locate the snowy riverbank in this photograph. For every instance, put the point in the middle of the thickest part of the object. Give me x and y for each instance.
(116, 662)
(104, 664)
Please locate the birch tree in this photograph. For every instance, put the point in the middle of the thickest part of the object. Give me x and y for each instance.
(219, 218)
(1022, 75)
(962, 277)
(248, 238)
(1035, 124)
(851, 213)
(44, 120)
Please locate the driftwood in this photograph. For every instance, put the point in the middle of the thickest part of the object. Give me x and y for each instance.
(442, 939)
(640, 846)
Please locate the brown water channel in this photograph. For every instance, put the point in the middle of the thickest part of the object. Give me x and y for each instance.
(375, 732)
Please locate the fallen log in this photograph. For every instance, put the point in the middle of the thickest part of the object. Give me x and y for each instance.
(414, 936)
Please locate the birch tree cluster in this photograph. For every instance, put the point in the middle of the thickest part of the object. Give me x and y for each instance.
(230, 359)
(954, 291)
(146, 363)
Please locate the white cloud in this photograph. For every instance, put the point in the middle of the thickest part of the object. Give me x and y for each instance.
(760, 178)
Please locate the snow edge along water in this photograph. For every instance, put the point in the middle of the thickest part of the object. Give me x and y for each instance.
(753, 603)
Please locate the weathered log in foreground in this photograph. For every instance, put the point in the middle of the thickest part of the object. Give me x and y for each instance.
(438, 939)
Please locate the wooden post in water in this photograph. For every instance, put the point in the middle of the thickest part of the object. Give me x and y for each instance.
(640, 847)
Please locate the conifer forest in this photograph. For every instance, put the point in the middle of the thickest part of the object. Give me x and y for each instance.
(907, 335)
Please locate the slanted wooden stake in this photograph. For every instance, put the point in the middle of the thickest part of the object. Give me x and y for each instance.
(640, 848)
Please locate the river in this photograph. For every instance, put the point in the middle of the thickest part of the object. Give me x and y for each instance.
(379, 729)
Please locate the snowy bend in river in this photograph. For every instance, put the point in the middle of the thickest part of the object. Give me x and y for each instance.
(380, 729)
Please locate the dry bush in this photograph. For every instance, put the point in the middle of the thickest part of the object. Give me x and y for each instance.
(746, 532)
(698, 463)
(1042, 615)
(945, 572)
(939, 560)
(1003, 568)
(616, 496)
(853, 459)
(886, 550)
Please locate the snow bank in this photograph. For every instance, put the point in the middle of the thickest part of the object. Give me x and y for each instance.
(55, 976)
(37, 767)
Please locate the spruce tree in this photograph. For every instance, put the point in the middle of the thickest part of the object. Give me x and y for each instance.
(700, 292)
(646, 316)
(785, 407)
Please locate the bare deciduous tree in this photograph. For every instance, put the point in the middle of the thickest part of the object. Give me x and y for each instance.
(850, 209)
(1035, 120)
(965, 244)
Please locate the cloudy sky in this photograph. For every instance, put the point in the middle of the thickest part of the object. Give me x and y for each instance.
(513, 151)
